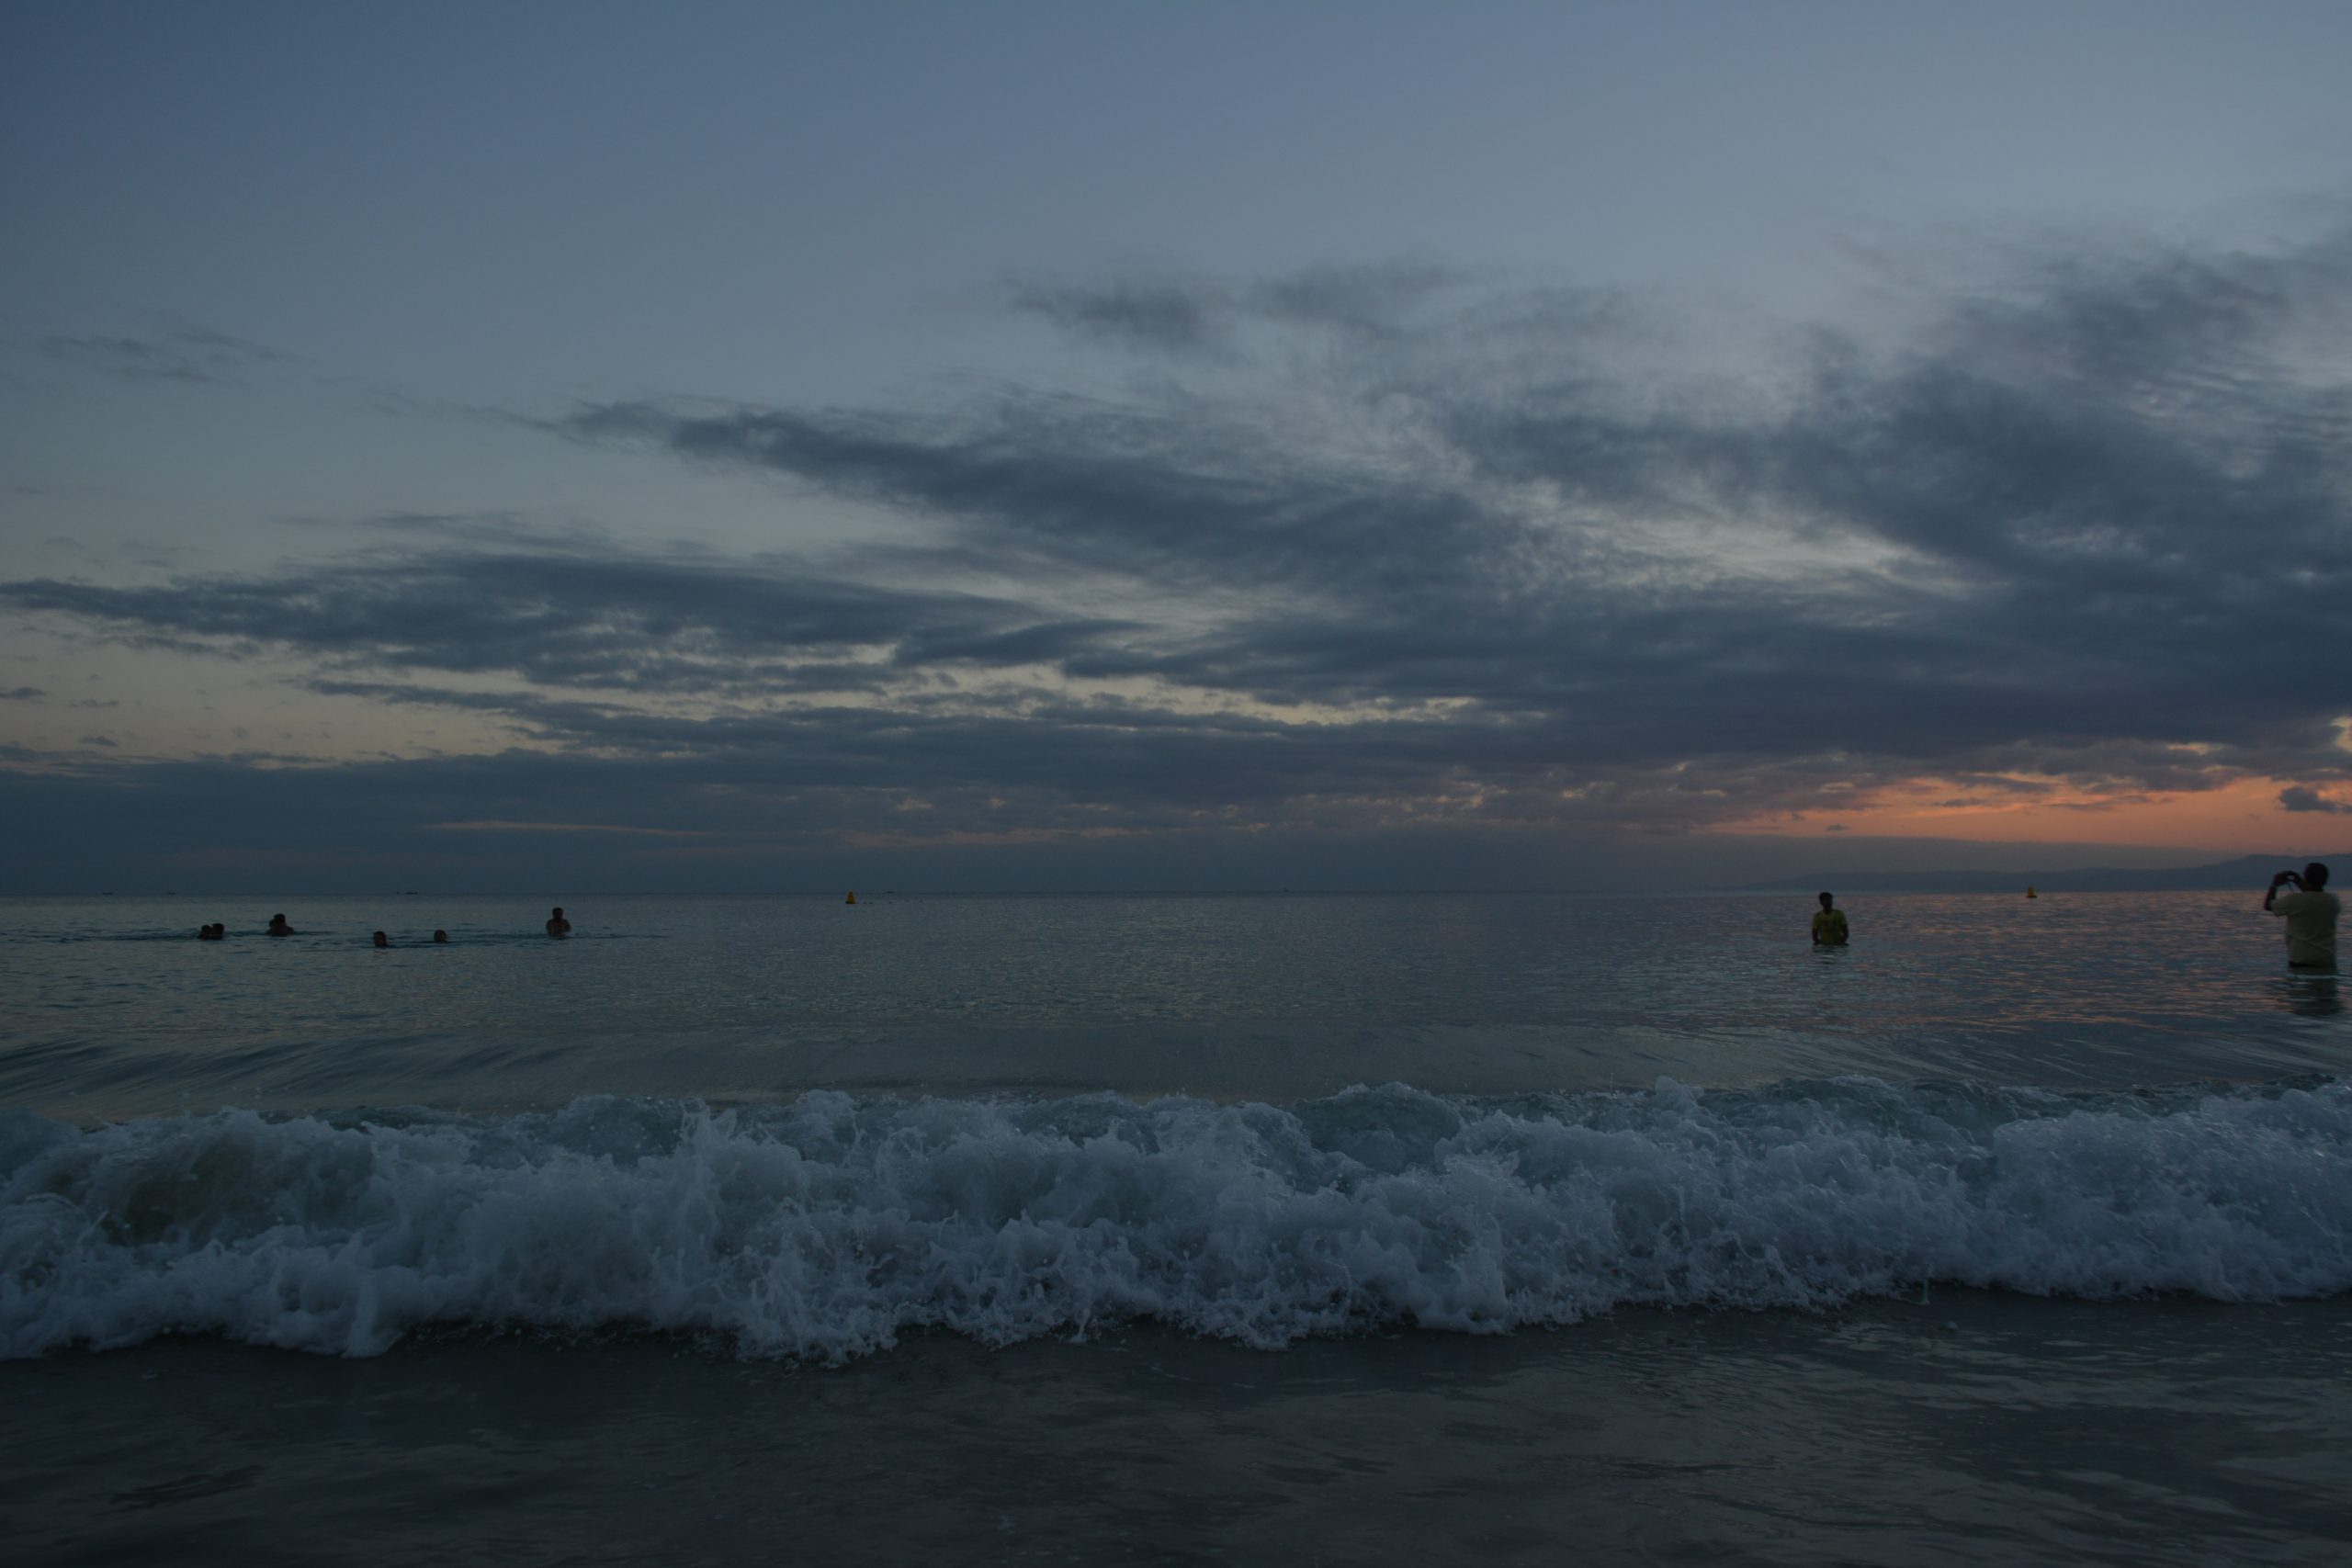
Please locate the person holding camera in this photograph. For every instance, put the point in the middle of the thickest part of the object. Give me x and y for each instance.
(2310, 912)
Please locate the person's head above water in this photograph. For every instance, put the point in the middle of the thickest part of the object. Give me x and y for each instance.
(2315, 877)
(383, 941)
(440, 935)
(557, 914)
(1826, 901)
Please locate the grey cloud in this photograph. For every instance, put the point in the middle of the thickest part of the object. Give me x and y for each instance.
(22, 694)
(2301, 797)
(568, 619)
(221, 827)
(472, 528)
(1031, 762)
(2165, 331)
(1379, 303)
(1180, 502)
(1444, 595)
(2045, 503)
(812, 776)
(169, 354)
(1164, 316)
(1202, 317)
(2081, 527)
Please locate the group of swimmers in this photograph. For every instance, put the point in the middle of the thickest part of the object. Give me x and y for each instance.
(2309, 911)
(218, 929)
(556, 926)
(383, 941)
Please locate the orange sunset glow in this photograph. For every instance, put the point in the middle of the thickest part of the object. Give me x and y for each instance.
(2241, 817)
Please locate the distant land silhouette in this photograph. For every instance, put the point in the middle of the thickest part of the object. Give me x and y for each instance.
(2250, 871)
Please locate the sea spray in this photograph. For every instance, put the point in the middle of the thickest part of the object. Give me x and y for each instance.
(826, 1226)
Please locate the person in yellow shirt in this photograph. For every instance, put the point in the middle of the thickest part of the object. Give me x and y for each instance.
(1830, 924)
(2310, 913)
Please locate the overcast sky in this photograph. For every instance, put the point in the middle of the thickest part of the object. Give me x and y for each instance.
(745, 445)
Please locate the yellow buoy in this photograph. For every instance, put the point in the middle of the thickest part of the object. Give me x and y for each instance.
(2028, 893)
(851, 900)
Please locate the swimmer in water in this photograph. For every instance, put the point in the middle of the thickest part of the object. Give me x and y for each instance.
(440, 935)
(277, 926)
(1830, 925)
(557, 924)
(383, 941)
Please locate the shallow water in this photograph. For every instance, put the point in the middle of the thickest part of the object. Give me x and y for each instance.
(1972, 1427)
(1175, 1229)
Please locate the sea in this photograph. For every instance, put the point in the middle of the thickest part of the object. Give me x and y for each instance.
(1172, 1229)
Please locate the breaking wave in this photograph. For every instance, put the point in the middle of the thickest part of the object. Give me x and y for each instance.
(826, 1226)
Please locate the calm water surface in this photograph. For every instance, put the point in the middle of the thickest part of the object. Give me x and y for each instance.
(118, 1011)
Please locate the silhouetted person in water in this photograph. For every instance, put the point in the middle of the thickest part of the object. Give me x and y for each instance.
(557, 924)
(1830, 925)
(213, 934)
(277, 926)
(2311, 912)
(383, 941)
(440, 936)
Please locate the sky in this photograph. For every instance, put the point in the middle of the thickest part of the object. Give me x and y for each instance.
(735, 448)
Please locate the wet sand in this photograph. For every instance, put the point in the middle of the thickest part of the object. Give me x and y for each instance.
(1971, 1428)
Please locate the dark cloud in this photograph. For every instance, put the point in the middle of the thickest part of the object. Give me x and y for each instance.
(22, 694)
(1447, 562)
(574, 620)
(1199, 503)
(1163, 316)
(2298, 797)
(168, 354)
(2083, 526)
(523, 819)
(473, 528)
(1376, 302)
(1202, 317)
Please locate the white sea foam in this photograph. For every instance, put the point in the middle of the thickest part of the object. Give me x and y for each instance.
(828, 1226)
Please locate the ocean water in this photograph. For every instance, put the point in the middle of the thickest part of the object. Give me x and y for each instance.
(1214, 1229)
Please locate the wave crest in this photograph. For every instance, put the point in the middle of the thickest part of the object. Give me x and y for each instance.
(826, 1227)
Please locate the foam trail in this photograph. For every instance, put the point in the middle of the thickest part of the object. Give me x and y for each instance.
(828, 1226)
